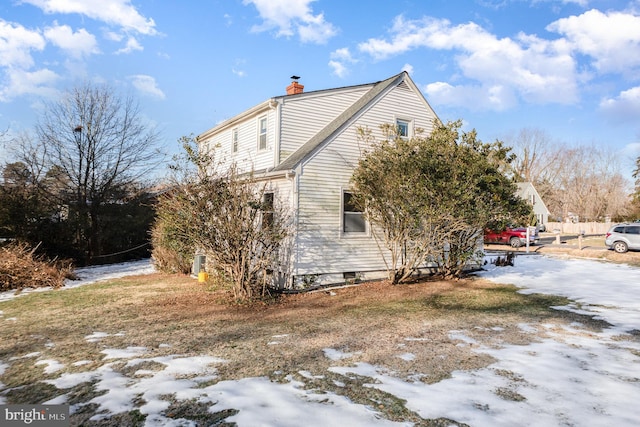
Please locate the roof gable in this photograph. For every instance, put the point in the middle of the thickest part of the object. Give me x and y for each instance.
(333, 127)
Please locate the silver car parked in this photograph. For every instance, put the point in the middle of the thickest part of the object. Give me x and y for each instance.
(623, 237)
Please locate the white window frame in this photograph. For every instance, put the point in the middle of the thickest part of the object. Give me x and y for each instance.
(234, 140)
(409, 124)
(262, 133)
(343, 213)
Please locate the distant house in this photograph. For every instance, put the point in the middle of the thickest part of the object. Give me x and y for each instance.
(304, 145)
(528, 192)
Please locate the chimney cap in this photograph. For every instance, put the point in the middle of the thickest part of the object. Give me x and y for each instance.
(294, 77)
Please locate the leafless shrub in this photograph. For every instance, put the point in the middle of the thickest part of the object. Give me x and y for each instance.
(20, 268)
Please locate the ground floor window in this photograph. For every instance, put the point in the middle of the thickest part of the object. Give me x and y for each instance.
(352, 217)
(267, 210)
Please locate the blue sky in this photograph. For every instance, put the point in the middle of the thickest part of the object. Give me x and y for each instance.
(568, 67)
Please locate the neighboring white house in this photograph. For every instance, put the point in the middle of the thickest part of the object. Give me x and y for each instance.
(305, 146)
(528, 192)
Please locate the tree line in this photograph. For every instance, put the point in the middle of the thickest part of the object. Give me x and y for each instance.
(582, 182)
(76, 187)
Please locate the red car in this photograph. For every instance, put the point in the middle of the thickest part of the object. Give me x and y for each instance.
(515, 237)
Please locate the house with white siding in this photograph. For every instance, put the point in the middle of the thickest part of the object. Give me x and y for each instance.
(305, 146)
(528, 192)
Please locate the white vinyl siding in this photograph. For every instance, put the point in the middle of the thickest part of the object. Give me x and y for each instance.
(303, 117)
(247, 157)
(323, 247)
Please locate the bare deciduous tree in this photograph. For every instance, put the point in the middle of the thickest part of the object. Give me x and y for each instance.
(234, 219)
(583, 181)
(98, 145)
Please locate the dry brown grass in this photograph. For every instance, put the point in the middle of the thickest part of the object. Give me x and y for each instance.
(375, 322)
(372, 320)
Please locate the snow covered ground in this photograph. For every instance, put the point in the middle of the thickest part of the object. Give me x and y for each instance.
(575, 377)
(93, 274)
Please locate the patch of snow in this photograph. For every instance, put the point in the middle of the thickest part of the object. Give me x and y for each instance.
(100, 273)
(334, 354)
(460, 336)
(90, 275)
(96, 336)
(407, 357)
(261, 402)
(126, 353)
(602, 289)
(525, 327)
(52, 365)
(26, 356)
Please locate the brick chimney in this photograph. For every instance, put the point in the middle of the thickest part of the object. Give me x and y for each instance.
(295, 88)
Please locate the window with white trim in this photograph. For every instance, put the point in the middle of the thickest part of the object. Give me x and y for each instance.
(234, 140)
(403, 128)
(262, 133)
(352, 216)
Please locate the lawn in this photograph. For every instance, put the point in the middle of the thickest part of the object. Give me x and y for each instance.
(51, 335)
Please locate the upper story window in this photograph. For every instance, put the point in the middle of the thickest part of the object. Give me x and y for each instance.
(352, 217)
(262, 133)
(234, 140)
(402, 128)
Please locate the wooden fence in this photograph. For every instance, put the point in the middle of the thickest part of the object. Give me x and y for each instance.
(579, 227)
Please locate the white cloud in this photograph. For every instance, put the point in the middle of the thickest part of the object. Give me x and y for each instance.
(611, 39)
(339, 69)
(625, 107)
(22, 82)
(16, 44)
(77, 45)
(132, 45)
(238, 67)
(494, 97)
(147, 85)
(534, 69)
(239, 73)
(293, 16)
(113, 12)
(340, 59)
(408, 68)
